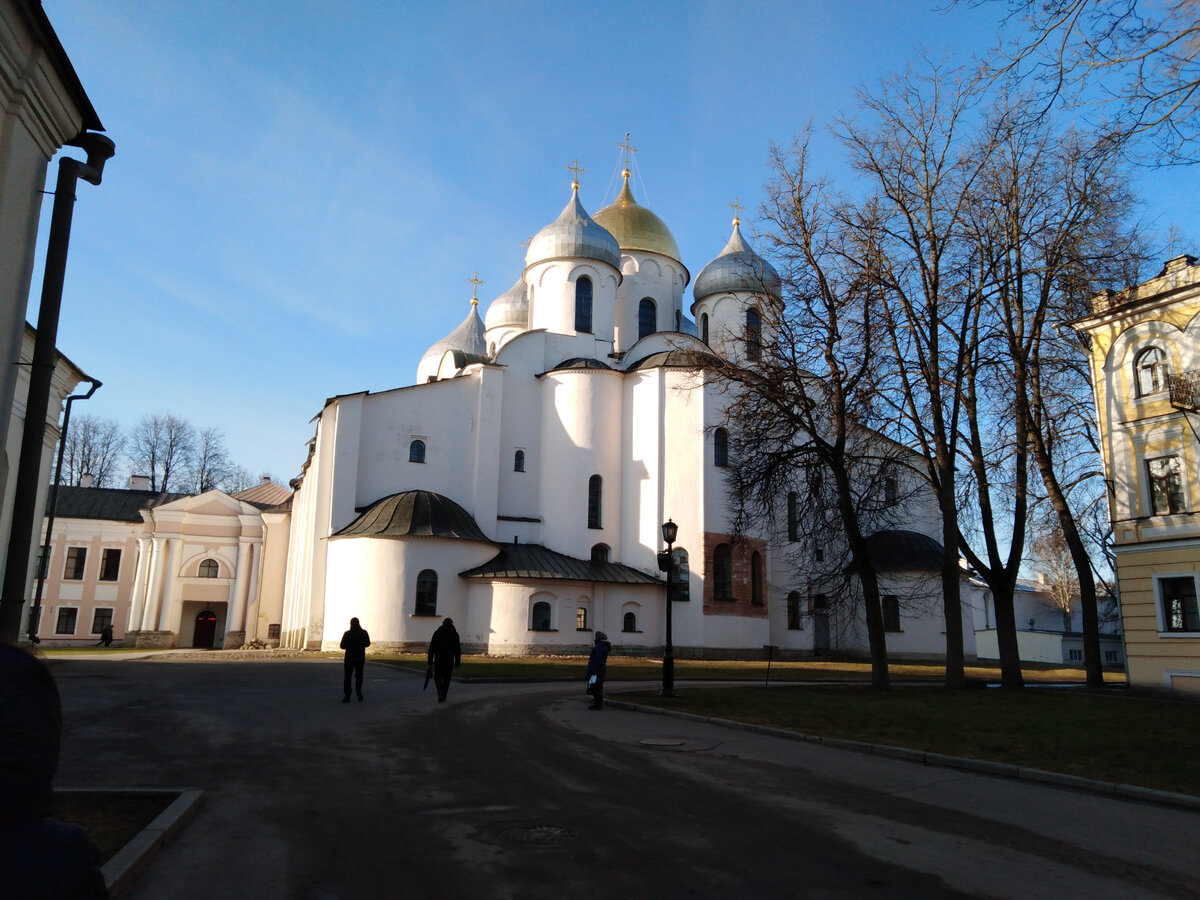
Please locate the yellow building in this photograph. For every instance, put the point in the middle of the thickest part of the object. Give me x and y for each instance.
(1145, 362)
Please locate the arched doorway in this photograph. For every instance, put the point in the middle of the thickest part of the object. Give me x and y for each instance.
(206, 629)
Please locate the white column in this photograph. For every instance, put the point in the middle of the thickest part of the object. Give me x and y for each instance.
(254, 585)
(169, 618)
(137, 600)
(237, 591)
(154, 597)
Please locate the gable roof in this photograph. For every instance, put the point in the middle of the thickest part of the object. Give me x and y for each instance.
(264, 496)
(536, 561)
(112, 504)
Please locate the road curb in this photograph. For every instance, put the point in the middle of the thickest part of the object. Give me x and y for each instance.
(133, 857)
(942, 760)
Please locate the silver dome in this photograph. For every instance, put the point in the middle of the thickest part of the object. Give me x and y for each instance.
(510, 308)
(574, 235)
(737, 268)
(467, 337)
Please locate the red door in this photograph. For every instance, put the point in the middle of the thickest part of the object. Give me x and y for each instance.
(206, 630)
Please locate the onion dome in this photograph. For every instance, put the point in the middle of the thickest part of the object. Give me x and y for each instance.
(467, 337)
(737, 268)
(415, 514)
(510, 308)
(635, 227)
(573, 235)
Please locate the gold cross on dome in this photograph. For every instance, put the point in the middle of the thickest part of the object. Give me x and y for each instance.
(628, 148)
(577, 170)
(737, 211)
(475, 280)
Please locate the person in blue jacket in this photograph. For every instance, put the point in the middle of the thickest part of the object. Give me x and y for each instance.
(597, 666)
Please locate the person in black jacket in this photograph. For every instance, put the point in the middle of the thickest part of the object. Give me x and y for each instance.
(445, 653)
(355, 642)
(597, 668)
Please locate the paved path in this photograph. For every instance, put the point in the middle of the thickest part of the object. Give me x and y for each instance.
(519, 791)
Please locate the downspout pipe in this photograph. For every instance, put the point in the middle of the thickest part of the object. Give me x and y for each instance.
(51, 504)
(99, 149)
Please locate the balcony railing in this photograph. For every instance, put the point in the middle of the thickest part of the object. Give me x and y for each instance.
(1185, 390)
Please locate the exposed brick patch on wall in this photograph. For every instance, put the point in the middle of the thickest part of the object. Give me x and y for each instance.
(740, 553)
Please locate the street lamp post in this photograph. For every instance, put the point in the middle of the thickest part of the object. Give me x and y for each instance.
(669, 532)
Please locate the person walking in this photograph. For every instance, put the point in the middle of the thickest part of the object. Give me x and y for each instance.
(106, 637)
(596, 669)
(355, 642)
(445, 653)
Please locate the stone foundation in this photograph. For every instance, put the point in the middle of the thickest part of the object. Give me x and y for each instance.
(152, 640)
(234, 640)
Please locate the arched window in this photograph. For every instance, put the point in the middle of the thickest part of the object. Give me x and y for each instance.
(722, 572)
(753, 334)
(793, 516)
(426, 593)
(756, 586)
(581, 619)
(891, 490)
(720, 448)
(416, 451)
(492, 349)
(519, 461)
(209, 569)
(600, 553)
(629, 622)
(678, 320)
(583, 304)
(594, 486)
(793, 611)
(704, 327)
(647, 318)
(540, 620)
(1151, 369)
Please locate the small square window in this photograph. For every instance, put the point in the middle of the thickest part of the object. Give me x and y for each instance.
(76, 561)
(110, 564)
(272, 632)
(1179, 604)
(101, 618)
(66, 620)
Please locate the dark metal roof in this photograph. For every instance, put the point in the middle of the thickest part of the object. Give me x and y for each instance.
(113, 504)
(37, 21)
(536, 561)
(904, 551)
(687, 359)
(580, 362)
(415, 514)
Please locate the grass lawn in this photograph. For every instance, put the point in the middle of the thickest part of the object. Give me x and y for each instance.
(1152, 743)
(637, 668)
(110, 818)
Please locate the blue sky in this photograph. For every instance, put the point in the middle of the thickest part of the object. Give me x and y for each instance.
(302, 190)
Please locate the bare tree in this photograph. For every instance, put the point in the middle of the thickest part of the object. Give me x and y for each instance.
(160, 446)
(1055, 562)
(93, 446)
(238, 478)
(1136, 64)
(802, 413)
(209, 466)
(920, 157)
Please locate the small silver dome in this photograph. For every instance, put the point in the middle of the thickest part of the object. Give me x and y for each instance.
(574, 235)
(510, 308)
(467, 337)
(737, 268)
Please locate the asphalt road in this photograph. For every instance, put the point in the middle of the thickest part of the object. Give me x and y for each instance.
(519, 791)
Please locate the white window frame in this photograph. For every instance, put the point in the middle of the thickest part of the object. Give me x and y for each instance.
(1160, 611)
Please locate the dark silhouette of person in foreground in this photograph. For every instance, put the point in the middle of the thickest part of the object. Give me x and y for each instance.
(597, 668)
(40, 858)
(445, 653)
(355, 642)
(105, 636)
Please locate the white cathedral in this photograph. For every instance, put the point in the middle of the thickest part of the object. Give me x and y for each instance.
(520, 485)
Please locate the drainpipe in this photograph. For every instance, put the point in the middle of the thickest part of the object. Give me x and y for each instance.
(99, 149)
(51, 504)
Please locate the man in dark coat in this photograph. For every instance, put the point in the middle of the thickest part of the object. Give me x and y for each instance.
(445, 653)
(40, 857)
(355, 642)
(598, 666)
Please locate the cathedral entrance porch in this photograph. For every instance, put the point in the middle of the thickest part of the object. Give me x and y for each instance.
(202, 625)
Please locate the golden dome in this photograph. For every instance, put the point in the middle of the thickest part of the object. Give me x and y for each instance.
(635, 227)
